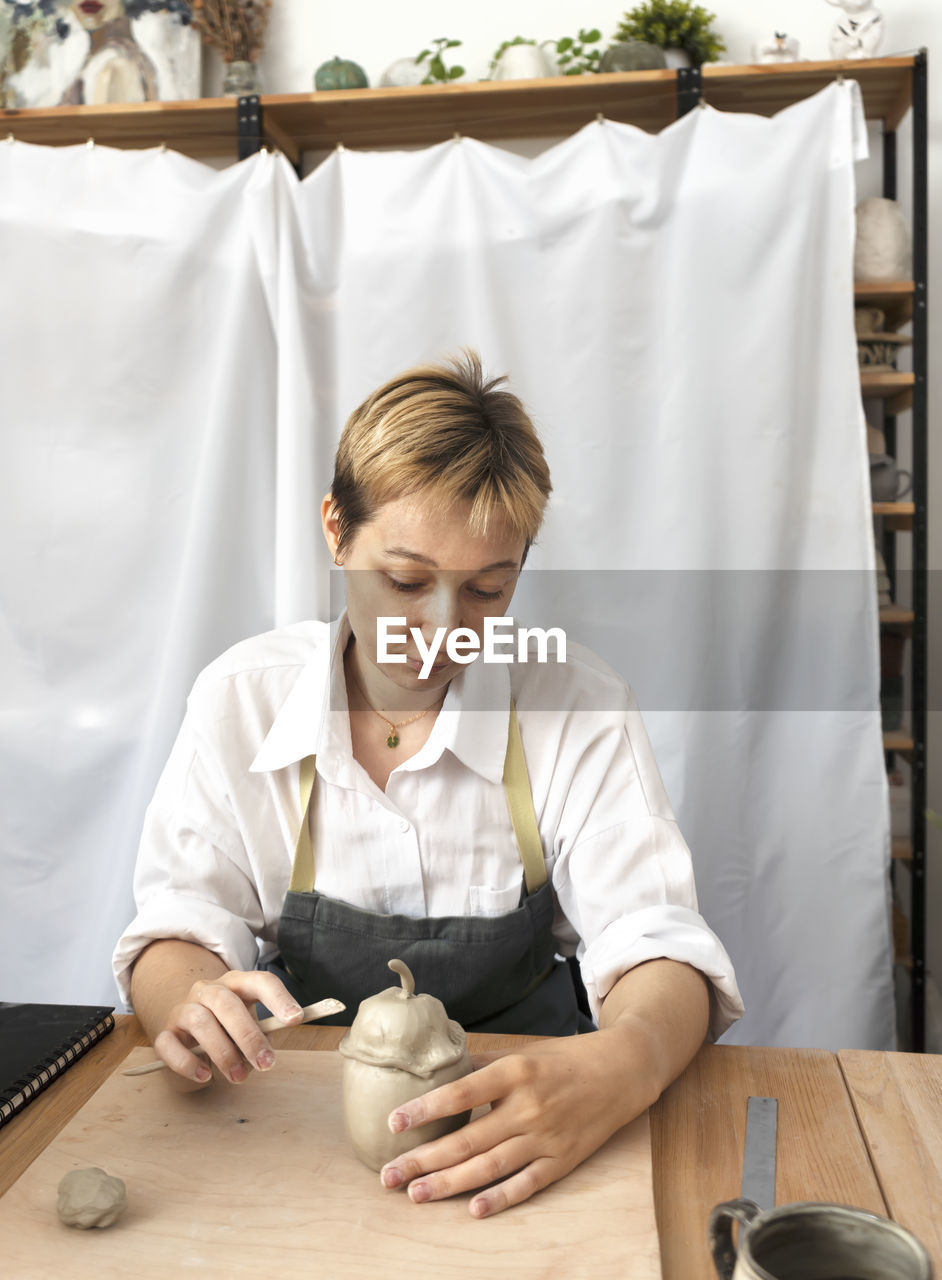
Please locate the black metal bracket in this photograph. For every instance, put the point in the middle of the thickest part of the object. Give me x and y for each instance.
(250, 125)
(689, 89)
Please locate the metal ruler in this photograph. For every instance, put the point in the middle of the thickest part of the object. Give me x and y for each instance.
(758, 1165)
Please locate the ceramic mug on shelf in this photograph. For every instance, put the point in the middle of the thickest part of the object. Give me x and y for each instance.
(811, 1241)
(887, 482)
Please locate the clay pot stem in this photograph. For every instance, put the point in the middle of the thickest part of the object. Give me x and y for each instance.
(405, 974)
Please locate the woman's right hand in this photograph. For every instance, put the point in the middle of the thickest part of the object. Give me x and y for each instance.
(217, 1015)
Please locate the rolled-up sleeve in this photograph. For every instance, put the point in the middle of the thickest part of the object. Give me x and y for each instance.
(623, 873)
(192, 880)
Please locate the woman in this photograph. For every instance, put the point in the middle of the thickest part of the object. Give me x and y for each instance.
(473, 820)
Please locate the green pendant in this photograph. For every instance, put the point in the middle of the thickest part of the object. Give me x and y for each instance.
(393, 740)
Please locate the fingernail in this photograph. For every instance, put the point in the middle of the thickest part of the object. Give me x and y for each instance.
(238, 1073)
(480, 1208)
(290, 1011)
(397, 1122)
(203, 1074)
(419, 1192)
(391, 1177)
(265, 1060)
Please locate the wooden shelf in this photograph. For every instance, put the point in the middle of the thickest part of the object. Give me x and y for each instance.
(893, 616)
(901, 850)
(893, 297)
(896, 740)
(896, 515)
(433, 113)
(895, 388)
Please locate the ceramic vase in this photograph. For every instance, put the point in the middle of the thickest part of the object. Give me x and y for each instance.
(241, 78)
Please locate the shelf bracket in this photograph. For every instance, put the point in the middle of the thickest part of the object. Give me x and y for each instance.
(250, 125)
(689, 89)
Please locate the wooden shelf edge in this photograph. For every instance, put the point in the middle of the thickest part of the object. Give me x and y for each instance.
(489, 109)
(883, 288)
(892, 616)
(895, 740)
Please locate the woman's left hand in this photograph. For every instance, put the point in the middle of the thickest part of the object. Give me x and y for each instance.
(552, 1104)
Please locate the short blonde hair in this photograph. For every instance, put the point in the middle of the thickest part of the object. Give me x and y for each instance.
(442, 431)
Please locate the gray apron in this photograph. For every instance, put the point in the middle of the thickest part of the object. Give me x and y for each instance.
(492, 973)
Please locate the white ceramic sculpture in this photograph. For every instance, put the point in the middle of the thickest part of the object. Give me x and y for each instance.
(523, 62)
(858, 32)
(404, 71)
(400, 1046)
(780, 48)
(882, 249)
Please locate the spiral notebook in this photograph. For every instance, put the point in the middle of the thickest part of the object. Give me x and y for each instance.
(40, 1041)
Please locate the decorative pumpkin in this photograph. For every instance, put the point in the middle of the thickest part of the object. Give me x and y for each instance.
(340, 73)
(400, 1046)
(633, 55)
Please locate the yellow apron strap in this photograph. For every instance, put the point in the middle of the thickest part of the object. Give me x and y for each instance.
(302, 872)
(520, 804)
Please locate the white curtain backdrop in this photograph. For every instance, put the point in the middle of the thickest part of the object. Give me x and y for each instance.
(676, 312)
(137, 455)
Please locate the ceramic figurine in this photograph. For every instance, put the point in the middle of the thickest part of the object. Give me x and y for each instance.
(858, 32)
(400, 1046)
(781, 48)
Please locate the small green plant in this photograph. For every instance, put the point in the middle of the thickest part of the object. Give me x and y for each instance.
(673, 24)
(507, 44)
(437, 72)
(573, 55)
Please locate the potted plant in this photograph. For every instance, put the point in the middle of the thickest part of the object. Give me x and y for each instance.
(520, 59)
(683, 30)
(438, 72)
(574, 56)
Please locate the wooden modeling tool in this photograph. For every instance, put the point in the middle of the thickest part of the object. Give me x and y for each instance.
(310, 1013)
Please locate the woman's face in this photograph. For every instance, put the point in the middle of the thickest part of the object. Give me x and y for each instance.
(415, 562)
(92, 14)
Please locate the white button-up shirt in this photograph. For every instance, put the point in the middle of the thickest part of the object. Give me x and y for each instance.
(220, 833)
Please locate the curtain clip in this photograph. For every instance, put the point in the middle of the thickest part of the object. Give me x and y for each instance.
(90, 144)
(340, 147)
(163, 148)
(456, 137)
(840, 77)
(10, 138)
(599, 118)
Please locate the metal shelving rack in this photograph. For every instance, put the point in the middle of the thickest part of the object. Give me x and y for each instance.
(914, 745)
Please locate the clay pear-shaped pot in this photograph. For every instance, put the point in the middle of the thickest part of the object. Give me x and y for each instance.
(400, 1046)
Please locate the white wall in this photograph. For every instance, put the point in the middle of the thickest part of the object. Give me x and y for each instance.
(304, 33)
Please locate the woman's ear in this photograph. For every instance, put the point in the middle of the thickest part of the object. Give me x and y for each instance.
(330, 523)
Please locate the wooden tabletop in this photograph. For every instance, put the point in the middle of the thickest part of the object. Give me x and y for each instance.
(856, 1128)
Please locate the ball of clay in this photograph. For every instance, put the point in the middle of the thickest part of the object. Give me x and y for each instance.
(90, 1198)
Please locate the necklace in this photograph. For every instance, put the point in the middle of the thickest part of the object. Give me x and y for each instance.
(392, 736)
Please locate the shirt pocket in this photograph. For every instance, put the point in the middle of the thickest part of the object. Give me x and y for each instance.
(486, 901)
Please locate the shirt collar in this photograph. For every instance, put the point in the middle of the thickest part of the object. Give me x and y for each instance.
(472, 724)
(303, 725)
